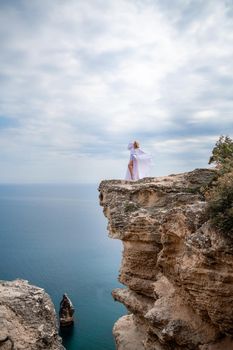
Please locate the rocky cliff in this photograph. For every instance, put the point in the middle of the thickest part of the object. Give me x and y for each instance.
(178, 272)
(27, 318)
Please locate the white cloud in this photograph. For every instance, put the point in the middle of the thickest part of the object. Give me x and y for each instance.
(82, 78)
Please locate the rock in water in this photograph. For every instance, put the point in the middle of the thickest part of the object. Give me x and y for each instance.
(66, 312)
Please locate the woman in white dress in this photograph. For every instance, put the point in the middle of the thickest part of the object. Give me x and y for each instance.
(139, 163)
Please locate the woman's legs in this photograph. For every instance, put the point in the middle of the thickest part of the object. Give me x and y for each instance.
(130, 166)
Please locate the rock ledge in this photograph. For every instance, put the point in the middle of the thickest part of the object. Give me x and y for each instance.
(177, 270)
(27, 318)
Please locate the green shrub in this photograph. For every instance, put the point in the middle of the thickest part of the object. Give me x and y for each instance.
(220, 195)
(220, 204)
(222, 154)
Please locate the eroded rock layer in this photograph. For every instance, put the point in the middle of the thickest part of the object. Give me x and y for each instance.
(177, 270)
(27, 318)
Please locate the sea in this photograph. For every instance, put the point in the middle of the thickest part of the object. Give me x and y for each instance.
(55, 236)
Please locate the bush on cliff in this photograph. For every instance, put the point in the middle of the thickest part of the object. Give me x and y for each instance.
(222, 155)
(220, 196)
(220, 204)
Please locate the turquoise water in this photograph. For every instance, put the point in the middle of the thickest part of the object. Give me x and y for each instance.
(55, 237)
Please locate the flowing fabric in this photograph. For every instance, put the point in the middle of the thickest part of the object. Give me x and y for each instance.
(142, 162)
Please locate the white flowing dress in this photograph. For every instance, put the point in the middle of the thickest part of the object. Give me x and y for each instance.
(142, 162)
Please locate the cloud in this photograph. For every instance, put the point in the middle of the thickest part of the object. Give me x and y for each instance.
(78, 80)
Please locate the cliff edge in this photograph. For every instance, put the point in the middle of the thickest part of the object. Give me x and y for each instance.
(27, 318)
(178, 270)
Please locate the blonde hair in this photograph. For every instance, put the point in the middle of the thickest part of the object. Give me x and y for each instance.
(136, 144)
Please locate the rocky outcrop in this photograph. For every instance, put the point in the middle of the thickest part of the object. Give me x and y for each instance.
(178, 270)
(27, 318)
(66, 312)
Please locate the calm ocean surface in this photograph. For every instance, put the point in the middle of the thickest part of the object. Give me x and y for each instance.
(55, 236)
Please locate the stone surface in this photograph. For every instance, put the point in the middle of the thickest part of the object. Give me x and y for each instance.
(66, 312)
(27, 318)
(127, 334)
(178, 272)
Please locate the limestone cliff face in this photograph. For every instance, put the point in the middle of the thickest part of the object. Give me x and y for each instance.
(177, 270)
(27, 318)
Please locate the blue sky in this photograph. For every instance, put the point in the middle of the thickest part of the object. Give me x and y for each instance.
(80, 79)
